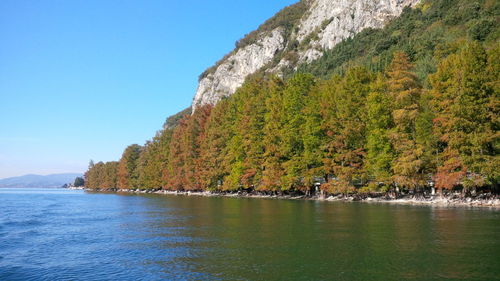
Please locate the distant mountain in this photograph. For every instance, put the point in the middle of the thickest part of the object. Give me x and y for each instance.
(55, 180)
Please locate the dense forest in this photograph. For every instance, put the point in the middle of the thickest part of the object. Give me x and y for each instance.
(408, 107)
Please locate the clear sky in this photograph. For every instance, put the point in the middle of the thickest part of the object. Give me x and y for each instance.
(82, 79)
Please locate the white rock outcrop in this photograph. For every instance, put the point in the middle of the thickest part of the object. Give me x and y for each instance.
(231, 74)
(325, 24)
(336, 20)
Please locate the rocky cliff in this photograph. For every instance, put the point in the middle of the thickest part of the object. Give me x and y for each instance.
(297, 34)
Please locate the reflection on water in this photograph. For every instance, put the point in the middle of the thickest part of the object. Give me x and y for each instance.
(57, 234)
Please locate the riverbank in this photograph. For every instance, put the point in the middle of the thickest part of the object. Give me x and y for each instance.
(76, 188)
(453, 199)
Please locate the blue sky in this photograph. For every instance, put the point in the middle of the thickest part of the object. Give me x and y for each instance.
(82, 79)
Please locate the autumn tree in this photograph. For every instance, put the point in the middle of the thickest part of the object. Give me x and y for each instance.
(248, 145)
(214, 151)
(109, 175)
(273, 155)
(465, 98)
(89, 175)
(405, 90)
(127, 168)
(101, 175)
(196, 136)
(153, 160)
(344, 116)
(184, 164)
(174, 175)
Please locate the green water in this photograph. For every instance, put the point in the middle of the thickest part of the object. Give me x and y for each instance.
(303, 240)
(73, 235)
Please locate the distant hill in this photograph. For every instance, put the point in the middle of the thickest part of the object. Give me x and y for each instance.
(55, 180)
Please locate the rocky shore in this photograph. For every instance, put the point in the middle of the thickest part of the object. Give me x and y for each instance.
(451, 199)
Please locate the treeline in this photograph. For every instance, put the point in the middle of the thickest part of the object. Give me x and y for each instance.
(360, 131)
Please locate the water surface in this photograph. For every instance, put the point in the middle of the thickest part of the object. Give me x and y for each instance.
(73, 235)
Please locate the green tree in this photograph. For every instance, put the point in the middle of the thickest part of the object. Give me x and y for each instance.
(273, 155)
(79, 182)
(380, 152)
(313, 138)
(295, 95)
(251, 108)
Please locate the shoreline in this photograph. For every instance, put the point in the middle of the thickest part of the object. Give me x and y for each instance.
(450, 200)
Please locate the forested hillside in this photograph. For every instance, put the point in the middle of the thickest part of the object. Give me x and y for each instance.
(426, 34)
(406, 107)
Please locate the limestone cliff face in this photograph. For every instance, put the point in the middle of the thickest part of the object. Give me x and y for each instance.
(231, 73)
(335, 20)
(322, 24)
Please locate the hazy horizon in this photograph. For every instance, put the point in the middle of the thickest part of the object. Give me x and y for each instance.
(43, 175)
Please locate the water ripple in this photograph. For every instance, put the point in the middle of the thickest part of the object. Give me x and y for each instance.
(53, 236)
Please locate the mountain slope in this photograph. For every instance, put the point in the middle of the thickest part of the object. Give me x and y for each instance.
(48, 181)
(297, 34)
(432, 28)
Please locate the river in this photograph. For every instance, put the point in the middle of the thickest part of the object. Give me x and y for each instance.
(56, 234)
